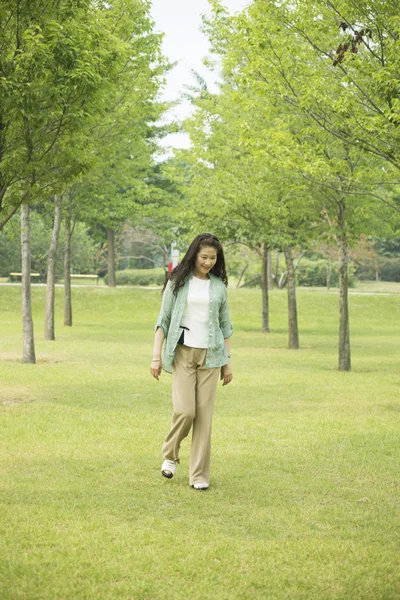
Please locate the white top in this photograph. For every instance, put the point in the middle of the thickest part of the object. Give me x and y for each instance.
(196, 314)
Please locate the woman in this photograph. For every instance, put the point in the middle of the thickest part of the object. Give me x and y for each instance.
(194, 322)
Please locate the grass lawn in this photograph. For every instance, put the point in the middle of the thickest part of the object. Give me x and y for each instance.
(304, 497)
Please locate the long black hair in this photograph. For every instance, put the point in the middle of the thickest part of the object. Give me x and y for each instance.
(188, 262)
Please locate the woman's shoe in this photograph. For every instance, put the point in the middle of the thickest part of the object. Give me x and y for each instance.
(201, 486)
(168, 468)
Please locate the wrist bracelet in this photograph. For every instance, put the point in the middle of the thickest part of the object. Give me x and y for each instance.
(156, 360)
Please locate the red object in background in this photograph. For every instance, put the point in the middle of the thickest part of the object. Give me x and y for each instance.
(169, 268)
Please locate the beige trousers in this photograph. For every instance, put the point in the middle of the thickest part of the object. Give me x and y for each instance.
(193, 398)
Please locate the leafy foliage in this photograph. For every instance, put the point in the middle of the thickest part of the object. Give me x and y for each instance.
(83, 248)
(140, 277)
(65, 67)
(320, 273)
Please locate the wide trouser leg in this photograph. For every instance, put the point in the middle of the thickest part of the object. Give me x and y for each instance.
(184, 380)
(193, 398)
(200, 453)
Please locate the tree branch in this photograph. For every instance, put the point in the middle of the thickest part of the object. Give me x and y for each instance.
(9, 216)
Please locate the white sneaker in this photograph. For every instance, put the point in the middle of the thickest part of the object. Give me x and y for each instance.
(202, 485)
(168, 468)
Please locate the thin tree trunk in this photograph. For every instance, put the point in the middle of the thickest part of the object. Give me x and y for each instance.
(264, 289)
(328, 273)
(67, 268)
(344, 330)
(243, 271)
(292, 304)
(250, 281)
(49, 333)
(27, 322)
(376, 270)
(277, 265)
(269, 270)
(111, 258)
(282, 280)
(10, 215)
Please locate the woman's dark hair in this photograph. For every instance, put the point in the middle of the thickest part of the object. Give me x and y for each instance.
(188, 262)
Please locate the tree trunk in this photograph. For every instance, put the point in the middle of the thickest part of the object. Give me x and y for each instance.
(328, 273)
(51, 272)
(67, 269)
(376, 270)
(282, 280)
(264, 289)
(27, 322)
(292, 304)
(243, 271)
(277, 266)
(269, 270)
(111, 258)
(250, 281)
(344, 331)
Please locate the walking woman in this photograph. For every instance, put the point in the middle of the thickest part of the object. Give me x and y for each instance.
(195, 325)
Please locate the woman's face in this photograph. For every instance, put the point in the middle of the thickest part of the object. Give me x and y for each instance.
(205, 260)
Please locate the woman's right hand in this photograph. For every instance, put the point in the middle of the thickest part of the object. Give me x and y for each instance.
(156, 368)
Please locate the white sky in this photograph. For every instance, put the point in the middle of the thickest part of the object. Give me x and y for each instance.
(180, 21)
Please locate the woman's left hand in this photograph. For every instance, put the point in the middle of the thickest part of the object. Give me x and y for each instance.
(226, 374)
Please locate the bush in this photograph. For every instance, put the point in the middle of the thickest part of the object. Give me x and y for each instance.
(389, 268)
(139, 277)
(313, 273)
(365, 272)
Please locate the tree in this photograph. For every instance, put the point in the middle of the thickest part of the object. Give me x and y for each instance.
(271, 64)
(254, 201)
(67, 264)
(124, 139)
(28, 355)
(60, 64)
(49, 333)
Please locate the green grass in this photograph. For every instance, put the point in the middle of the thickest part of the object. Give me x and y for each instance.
(304, 495)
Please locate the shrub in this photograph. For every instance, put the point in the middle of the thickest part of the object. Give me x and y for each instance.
(389, 268)
(365, 272)
(139, 277)
(313, 273)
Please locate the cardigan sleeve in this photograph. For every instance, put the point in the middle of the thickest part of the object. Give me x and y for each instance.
(164, 318)
(224, 318)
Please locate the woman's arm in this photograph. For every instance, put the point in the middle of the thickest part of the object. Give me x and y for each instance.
(161, 330)
(226, 370)
(164, 318)
(156, 362)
